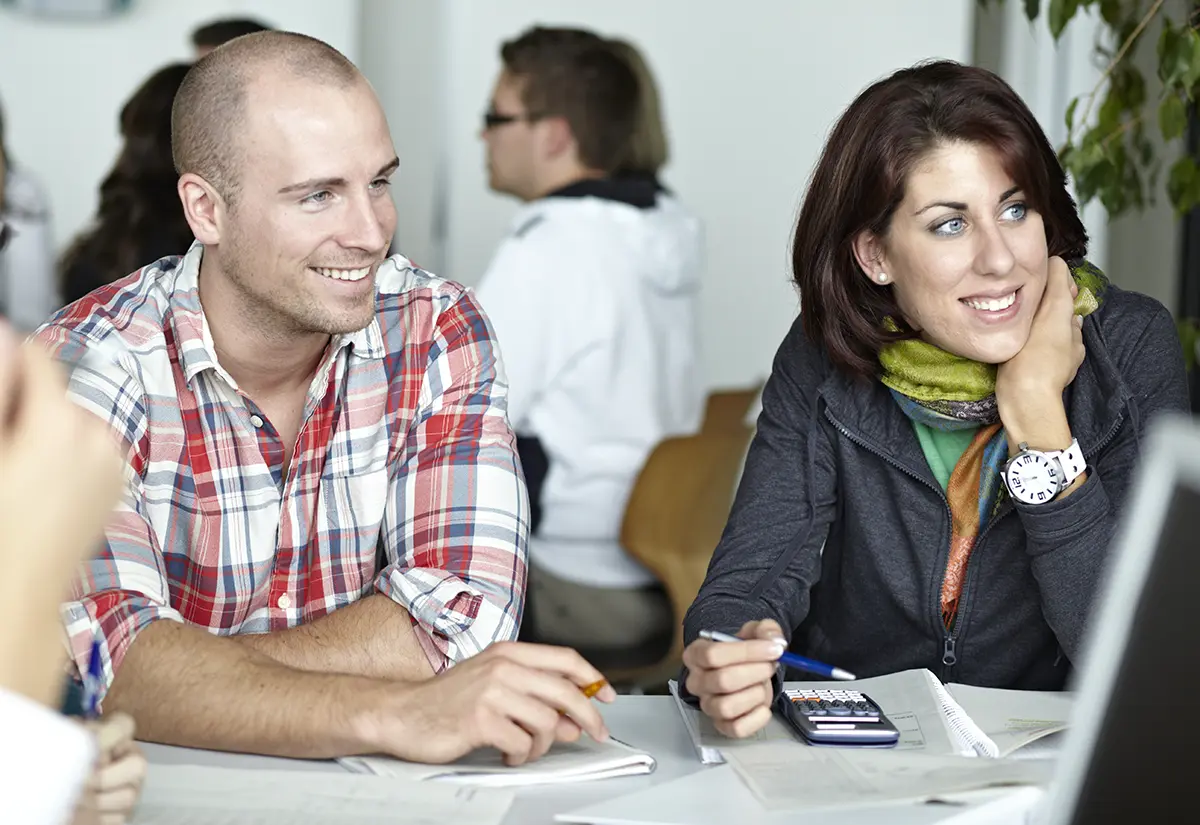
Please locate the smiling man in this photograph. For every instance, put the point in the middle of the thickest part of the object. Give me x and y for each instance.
(293, 406)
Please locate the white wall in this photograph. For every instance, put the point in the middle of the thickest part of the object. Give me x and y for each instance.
(750, 90)
(63, 83)
(403, 49)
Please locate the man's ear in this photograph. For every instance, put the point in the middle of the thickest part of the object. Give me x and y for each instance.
(557, 138)
(203, 207)
(869, 253)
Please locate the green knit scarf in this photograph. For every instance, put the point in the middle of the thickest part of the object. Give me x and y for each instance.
(959, 387)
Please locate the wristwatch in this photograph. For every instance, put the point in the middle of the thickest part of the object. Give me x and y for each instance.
(1036, 477)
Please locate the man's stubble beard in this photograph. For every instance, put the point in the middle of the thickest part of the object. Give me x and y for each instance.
(277, 313)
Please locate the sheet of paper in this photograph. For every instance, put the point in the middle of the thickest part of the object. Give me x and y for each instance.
(786, 778)
(1016, 807)
(580, 761)
(710, 743)
(907, 698)
(1014, 718)
(195, 795)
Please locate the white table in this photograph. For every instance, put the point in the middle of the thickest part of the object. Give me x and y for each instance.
(648, 722)
(651, 723)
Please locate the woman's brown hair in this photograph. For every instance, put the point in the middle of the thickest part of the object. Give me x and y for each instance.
(859, 181)
(139, 213)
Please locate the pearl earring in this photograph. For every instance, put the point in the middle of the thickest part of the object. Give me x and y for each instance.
(882, 276)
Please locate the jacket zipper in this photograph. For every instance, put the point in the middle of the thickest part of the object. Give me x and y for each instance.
(1111, 434)
(949, 639)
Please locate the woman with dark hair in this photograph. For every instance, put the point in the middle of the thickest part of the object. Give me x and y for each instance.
(949, 430)
(140, 218)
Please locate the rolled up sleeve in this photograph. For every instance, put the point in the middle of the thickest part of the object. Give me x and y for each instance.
(457, 521)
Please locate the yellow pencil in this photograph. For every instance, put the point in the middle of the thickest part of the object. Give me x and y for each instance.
(594, 688)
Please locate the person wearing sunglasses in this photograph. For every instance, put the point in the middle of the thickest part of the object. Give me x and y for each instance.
(594, 299)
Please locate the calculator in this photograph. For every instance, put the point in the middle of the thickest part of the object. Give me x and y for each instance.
(837, 717)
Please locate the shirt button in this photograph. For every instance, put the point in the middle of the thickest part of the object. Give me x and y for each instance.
(256, 421)
(285, 601)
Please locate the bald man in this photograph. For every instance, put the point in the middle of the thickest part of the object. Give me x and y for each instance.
(288, 400)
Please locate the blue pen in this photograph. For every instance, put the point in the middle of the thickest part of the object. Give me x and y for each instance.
(91, 683)
(801, 662)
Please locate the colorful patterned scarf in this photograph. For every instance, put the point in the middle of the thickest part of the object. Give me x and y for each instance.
(946, 392)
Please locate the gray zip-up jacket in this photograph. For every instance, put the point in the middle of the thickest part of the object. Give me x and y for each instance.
(840, 532)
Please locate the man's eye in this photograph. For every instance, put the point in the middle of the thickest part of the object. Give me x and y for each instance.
(319, 197)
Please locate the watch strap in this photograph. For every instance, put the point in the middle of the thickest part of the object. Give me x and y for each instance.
(1072, 463)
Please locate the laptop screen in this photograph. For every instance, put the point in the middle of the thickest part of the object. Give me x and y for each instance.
(1130, 753)
(1143, 762)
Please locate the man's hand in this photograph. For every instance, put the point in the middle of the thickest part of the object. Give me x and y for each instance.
(733, 680)
(514, 697)
(60, 477)
(116, 782)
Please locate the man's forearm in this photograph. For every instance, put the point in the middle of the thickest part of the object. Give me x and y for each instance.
(373, 637)
(186, 687)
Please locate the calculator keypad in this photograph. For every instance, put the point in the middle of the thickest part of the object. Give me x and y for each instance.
(847, 705)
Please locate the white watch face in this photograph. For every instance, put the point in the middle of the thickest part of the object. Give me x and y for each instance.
(1032, 478)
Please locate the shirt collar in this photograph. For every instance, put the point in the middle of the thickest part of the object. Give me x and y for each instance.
(193, 337)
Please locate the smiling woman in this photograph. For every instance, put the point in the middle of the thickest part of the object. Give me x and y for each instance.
(945, 439)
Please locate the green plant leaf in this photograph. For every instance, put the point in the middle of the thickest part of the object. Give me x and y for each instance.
(1070, 118)
(1192, 77)
(1172, 117)
(1109, 116)
(1060, 13)
(1182, 184)
(1133, 87)
(1174, 54)
(1112, 158)
(1110, 12)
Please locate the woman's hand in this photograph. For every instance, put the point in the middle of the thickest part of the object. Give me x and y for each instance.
(733, 680)
(1029, 386)
(116, 782)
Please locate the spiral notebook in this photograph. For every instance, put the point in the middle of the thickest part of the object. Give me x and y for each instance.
(933, 718)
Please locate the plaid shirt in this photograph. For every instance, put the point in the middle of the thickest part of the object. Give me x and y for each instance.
(404, 447)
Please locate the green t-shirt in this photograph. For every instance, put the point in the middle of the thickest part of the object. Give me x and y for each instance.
(943, 448)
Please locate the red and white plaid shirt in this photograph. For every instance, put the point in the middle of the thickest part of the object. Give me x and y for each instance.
(404, 446)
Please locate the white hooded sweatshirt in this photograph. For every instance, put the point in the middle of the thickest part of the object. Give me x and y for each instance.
(594, 299)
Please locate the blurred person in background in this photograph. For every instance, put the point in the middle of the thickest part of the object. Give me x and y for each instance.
(214, 33)
(649, 148)
(139, 219)
(593, 296)
(649, 151)
(28, 292)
